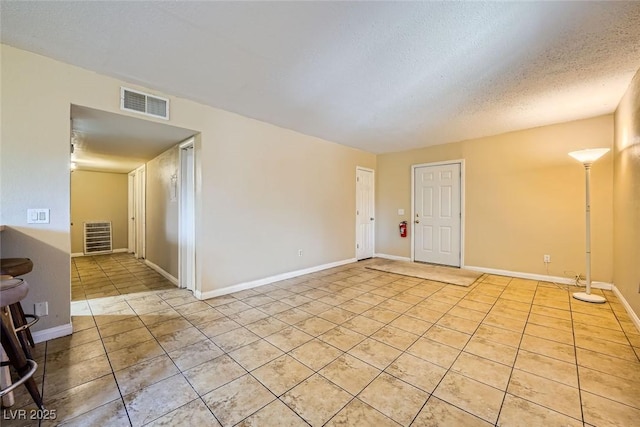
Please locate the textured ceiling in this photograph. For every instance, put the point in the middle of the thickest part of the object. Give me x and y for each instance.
(381, 76)
(116, 143)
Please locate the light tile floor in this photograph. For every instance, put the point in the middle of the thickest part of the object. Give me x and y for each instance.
(348, 346)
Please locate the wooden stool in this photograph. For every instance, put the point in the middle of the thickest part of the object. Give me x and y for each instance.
(12, 291)
(16, 267)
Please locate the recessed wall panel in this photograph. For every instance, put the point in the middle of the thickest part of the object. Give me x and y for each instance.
(445, 240)
(445, 201)
(427, 238)
(427, 202)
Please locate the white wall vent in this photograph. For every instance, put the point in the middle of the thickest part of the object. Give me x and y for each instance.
(97, 237)
(144, 103)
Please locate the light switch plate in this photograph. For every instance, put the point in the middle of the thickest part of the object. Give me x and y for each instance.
(38, 216)
(41, 308)
(400, 211)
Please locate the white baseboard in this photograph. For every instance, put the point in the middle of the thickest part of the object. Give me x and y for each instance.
(160, 270)
(632, 314)
(52, 333)
(267, 280)
(393, 257)
(540, 277)
(115, 251)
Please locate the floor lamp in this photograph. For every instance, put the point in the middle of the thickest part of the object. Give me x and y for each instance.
(587, 157)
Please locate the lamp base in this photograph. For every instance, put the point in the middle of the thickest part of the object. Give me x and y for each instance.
(583, 296)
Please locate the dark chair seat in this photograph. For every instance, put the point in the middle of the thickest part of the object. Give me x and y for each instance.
(15, 266)
(12, 291)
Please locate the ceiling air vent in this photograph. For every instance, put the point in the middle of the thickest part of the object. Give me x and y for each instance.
(143, 103)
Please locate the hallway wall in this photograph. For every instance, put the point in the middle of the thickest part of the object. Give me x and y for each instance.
(162, 211)
(626, 196)
(98, 196)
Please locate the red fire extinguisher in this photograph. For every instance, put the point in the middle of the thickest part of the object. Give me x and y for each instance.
(403, 229)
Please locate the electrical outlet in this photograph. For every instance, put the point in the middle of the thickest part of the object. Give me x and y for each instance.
(299, 252)
(546, 259)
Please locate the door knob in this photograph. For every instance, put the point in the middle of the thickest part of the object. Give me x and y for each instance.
(417, 221)
(371, 219)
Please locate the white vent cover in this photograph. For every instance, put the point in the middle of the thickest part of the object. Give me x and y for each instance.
(144, 103)
(97, 237)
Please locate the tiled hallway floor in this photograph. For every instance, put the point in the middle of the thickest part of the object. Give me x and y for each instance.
(342, 347)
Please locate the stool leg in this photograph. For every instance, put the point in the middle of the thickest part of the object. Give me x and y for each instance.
(13, 349)
(27, 331)
(18, 318)
(5, 381)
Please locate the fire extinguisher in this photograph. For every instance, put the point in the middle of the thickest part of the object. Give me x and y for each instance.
(403, 229)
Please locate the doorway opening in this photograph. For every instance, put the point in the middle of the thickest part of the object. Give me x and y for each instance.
(129, 169)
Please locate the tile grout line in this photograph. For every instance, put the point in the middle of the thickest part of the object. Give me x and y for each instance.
(462, 350)
(370, 334)
(106, 273)
(353, 397)
(448, 369)
(626, 334)
(387, 324)
(515, 360)
(108, 360)
(575, 355)
(165, 354)
(401, 354)
(337, 290)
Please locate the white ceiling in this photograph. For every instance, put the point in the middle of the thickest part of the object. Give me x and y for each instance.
(110, 142)
(381, 76)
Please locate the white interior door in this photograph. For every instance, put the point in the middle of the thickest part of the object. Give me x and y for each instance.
(437, 214)
(187, 257)
(365, 213)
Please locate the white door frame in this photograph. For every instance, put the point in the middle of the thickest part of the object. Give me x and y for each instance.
(186, 216)
(140, 200)
(131, 212)
(462, 205)
(373, 200)
(131, 243)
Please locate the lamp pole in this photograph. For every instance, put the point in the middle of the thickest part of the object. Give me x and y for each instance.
(587, 157)
(587, 170)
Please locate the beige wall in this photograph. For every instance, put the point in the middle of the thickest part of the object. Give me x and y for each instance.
(626, 207)
(162, 211)
(264, 192)
(98, 196)
(271, 192)
(524, 198)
